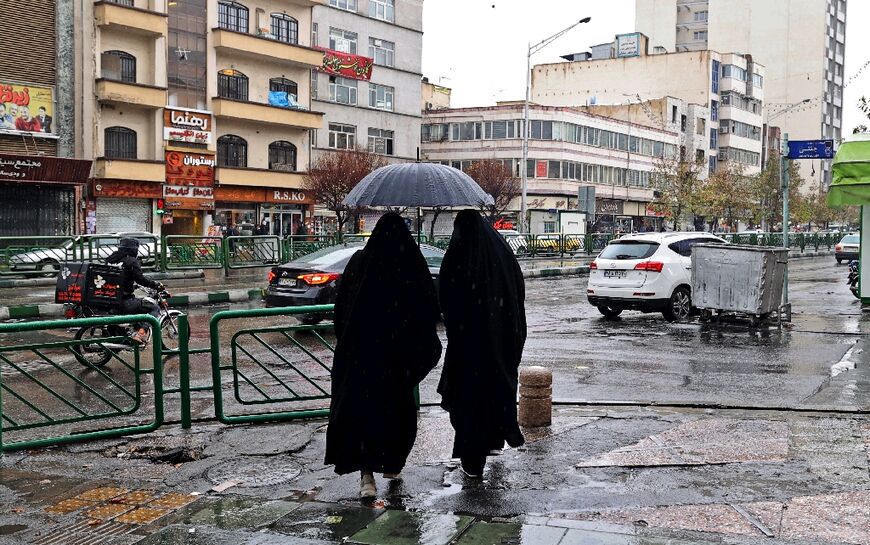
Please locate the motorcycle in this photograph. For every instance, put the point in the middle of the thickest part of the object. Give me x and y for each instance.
(98, 353)
(853, 278)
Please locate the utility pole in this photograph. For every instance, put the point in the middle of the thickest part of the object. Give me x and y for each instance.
(783, 165)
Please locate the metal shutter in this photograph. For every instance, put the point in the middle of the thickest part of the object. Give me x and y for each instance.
(115, 215)
(29, 41)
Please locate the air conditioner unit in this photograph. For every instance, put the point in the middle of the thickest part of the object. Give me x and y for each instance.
(428, 105)
(723, 130)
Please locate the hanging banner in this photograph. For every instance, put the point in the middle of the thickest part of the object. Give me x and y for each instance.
(189, 126)
(26, 109)
(346, 65)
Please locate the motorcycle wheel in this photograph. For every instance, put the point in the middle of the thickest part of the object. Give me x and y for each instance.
(92, 354)
(169, 330)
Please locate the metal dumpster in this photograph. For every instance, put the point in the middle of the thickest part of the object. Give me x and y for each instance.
(738, 279)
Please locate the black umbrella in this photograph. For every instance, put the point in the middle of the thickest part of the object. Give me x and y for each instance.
(417, 184)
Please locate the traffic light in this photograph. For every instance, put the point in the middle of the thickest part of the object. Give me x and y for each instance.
(161, 207)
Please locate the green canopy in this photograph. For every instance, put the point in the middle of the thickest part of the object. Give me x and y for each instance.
(851, 177)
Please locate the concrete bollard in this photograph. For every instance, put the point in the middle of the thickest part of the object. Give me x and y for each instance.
(536, 397)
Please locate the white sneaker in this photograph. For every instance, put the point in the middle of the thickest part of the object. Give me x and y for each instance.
(367, 487)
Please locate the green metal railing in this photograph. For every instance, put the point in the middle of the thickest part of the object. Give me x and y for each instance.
(244, 252)
(48, 398)
(186, 252)
(293, 363)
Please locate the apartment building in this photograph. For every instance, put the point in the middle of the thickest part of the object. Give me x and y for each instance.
(197, 113)
(800, 42)
(730, 85)
(568, 148)
(378, 109)
(40, 185)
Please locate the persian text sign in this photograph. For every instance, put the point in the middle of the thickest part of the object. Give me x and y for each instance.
(191, 126)
(346, 65)
(189, 180)
(26, 109)
(41, 168)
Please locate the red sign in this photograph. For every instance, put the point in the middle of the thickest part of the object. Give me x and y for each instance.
(346, 65)
(189, 180)
(541, 169)
(40, 168)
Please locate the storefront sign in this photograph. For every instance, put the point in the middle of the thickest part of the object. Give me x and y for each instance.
(125, 189)
(287, 196)
(541, 169)
(608, 207)
(19, 168)
(651, 211)
(26, 109)
(189, 180)
(346, 65)
(189, 126)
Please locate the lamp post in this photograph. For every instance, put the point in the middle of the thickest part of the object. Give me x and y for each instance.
(524, 166)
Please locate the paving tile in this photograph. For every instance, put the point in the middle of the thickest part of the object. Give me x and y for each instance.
(236, 513)
(136, 497)
(68, 506)
(719, 518)
(843, 517)
(587, 537)
(106, 511)
(404, 528)
(102, 494)
(704, 441)
(325, 521)
(483, 533)
(173, 500)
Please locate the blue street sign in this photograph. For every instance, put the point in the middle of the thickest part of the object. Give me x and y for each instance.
(810, 149)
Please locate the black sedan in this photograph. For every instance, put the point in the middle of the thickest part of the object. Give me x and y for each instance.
(313, 279)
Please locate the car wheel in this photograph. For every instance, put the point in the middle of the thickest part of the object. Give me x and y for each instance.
(48, 268)
(679, 305)
(609, 312)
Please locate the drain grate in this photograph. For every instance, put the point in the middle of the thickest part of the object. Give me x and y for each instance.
(255, 472)
(83, 533)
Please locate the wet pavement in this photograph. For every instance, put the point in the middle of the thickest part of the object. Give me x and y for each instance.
(666, 433)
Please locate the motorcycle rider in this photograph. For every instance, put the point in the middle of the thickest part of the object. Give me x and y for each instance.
(127, 255)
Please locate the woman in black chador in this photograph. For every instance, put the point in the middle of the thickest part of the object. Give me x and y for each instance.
(386, 314)
(482, 298)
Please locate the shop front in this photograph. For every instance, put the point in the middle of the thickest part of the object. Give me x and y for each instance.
(263, 210)
(39, 195)
(121, 205)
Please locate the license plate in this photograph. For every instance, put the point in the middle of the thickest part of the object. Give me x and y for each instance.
(287, 282)
(614, 274)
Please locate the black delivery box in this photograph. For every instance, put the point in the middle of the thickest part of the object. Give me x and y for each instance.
(89, 284)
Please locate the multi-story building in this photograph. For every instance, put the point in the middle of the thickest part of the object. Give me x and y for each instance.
(379, 110)
(40, 187)
(568, 148)
(729, 84)
(202, 106)
(801, 44)
(435, 97)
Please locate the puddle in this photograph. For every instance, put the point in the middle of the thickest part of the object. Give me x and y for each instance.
(326, 522)
(402, 527)
(847, 362)
(235, 513)
(9, 529)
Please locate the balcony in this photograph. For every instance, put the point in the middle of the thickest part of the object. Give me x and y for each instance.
(130, 19)
(252, 46)
(136, 94)
(258, 177)
(139, 170)
(264, 113)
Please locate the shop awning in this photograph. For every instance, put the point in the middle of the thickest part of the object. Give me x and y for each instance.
(851, 173)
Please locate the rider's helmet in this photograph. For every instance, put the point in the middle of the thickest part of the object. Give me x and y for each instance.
(129, 246)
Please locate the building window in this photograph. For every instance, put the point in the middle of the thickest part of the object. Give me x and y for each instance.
(714, 110)
(381, 141)
(734, 72)
(700, 16)
(758, 80)
(382, 51)
(119, 66)
(342, 90)
(381, 97)
(714, 139)
(715, 77)
(233, 16)
(186, 66)
(383, 9)
(549, 227)
(284, 85)
(232, 84)
(285, 28)
(700, 35)
(282, 156)
(342, 136)
(437, 132)
(466, 131)
(342, 40)
(120, 143)
(123, 2)
(232, 151)
(349, 5)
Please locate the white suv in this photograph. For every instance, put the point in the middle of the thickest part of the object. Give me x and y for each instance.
(646, 272)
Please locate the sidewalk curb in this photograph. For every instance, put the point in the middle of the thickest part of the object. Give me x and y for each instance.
(559, 271)
(51, 310)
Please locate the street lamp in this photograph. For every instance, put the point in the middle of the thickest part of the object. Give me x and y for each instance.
(525, 168)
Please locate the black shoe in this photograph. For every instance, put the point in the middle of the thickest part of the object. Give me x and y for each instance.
(473, 469)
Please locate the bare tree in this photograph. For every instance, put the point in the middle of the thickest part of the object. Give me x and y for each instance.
(726, 194)
(497, 180)
(335, 174)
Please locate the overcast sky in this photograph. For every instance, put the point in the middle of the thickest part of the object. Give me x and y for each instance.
(480, 51)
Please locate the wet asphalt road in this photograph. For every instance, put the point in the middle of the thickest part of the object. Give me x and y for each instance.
(817, 362)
